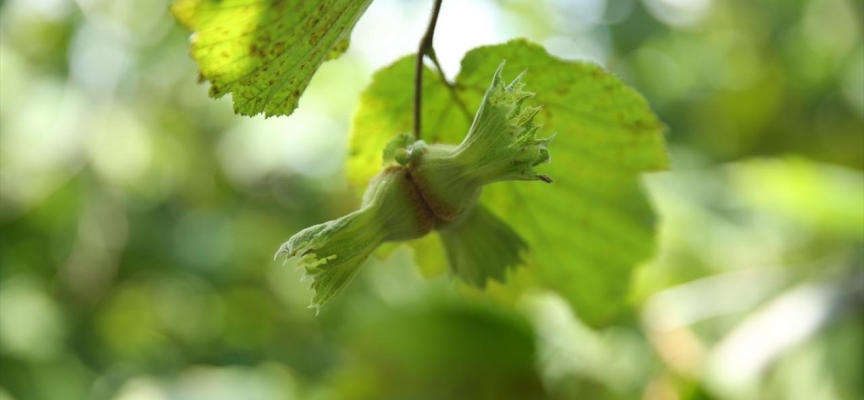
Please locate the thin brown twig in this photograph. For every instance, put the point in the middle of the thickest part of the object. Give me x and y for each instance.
(424, 50)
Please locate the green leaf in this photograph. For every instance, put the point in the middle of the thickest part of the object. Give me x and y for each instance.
(589, 229)
(265, 52)
(490, 354)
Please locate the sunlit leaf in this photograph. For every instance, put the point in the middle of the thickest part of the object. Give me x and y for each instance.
(265, 52)
(589, 229)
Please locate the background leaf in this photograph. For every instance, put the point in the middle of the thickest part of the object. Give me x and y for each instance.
(265, 52)
(589, 229)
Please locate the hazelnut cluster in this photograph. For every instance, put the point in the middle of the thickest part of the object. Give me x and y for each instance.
(435, 187)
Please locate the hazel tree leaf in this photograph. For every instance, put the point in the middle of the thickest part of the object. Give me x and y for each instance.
(265, 52)
(587, 231)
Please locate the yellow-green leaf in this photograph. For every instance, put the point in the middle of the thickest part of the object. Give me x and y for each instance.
(265, 52)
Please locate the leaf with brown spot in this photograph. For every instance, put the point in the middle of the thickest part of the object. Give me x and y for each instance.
(234, 47)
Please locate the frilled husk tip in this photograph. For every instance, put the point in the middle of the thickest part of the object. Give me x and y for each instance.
(503, 137)
(332, 253)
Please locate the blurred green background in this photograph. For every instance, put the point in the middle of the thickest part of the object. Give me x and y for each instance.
(139, 217)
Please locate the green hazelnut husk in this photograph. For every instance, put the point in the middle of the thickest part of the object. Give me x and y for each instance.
(332, 253)
(502, 145)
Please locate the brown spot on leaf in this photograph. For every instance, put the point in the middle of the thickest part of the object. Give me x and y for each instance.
(278, 48)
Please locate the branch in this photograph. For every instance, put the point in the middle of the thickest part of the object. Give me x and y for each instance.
(424, 50)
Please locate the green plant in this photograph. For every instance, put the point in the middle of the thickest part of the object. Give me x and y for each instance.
(580, 236)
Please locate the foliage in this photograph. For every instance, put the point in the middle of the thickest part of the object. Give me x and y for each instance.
(265, 52)
(138, 216)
